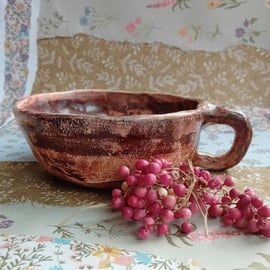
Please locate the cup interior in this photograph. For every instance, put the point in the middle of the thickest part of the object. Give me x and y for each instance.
(110, 103)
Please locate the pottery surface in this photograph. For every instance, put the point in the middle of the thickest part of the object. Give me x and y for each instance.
(84, 136)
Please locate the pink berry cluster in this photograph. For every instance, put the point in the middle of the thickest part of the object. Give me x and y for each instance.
(157, 193)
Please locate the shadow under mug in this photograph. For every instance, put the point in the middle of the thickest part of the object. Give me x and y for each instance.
(84, 136)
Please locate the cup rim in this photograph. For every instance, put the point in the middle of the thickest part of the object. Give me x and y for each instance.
(22, 105)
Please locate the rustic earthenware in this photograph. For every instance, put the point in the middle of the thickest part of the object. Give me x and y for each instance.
(83, 136)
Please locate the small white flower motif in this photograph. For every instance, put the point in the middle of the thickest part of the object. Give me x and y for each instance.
(267, 3)
(240, 75)
(61, 76)
(220, 78)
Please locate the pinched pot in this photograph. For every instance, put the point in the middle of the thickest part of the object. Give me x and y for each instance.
(84, 136)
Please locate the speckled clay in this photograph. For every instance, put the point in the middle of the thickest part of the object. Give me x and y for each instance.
(83, 136)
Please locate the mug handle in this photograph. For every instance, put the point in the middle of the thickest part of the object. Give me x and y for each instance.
(243, 135)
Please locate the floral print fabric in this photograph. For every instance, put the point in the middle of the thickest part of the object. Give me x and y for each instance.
(208, 25)
(19, 56)
(48, 253)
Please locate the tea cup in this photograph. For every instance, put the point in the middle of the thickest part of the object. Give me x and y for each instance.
(83, 136)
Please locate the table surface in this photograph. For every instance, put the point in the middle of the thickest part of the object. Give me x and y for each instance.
(46, 223)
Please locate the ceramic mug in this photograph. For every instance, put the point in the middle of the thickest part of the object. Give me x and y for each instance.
(84, 136)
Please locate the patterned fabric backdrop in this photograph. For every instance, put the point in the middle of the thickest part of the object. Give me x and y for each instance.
(209, 25)
(236, 76)
(19, 30)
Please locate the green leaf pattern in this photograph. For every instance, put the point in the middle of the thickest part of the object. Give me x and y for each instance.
(40, 252)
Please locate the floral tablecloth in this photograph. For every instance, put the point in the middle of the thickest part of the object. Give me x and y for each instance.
(49, 224)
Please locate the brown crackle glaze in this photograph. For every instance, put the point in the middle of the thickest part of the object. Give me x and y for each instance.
(84, 136)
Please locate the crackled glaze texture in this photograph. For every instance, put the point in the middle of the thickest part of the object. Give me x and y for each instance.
(84, 136)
